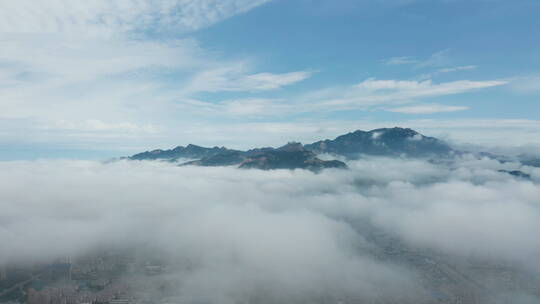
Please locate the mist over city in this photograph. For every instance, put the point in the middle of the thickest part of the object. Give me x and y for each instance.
(230, 235)
(269, 152)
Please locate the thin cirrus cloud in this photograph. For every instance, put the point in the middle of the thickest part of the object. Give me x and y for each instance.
(447, 70)
(397, 89)
(112, 17)
(374, 92)
(438, 59)
(526, 84)
(64, 60)
(457, 68)
(399, 60)
(98, 126)
(427, 109)
(440, 63)
(236, 77)
(249, 107)
(369, 94)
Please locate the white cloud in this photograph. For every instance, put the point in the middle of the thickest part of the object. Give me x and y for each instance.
(93, 125)
(399, 60)
(373, 92)
(235, 78)
(447, 70)
(256, 233)
(237, 108)
(413, 89)
(252, 107)
(54, 76)
(457, 68)
(438, 59)
(112, 17)
(62, 60)
(285, 236)
(367, 95)
(269, 81)
(527, 85)
(427, 109)
(81, 67)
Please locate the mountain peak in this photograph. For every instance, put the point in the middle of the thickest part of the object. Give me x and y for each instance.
(382, 142)
(292, 147)
(395, 130)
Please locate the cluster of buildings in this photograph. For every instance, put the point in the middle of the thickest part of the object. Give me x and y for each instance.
(98, 279)
(72, 293)
(3, 273)
(88, 280)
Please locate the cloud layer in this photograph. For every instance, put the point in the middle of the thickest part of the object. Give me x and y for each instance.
(281, 236)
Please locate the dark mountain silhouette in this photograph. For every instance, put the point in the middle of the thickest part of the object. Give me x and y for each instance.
(382, 142)
(190, 151)
(290, 156)
(389, 142)
(529, 160)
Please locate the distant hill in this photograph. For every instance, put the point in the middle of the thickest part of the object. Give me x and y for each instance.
(190, 151)
(529, 160)
(382, 142)
(290, 156)
(388, 142)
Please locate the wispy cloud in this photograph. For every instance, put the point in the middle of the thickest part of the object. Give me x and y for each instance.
(103, 17)
(93, 125)
(399, 60)
(236, 77)
(370, 94)
(426, 87)
(427, 109)
(458, 68)
(447, 70)
(439, 63)
(438, 59)
(89, 67)
(526, 84)
(373, 92)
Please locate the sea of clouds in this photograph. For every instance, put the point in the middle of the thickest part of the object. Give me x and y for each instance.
(282, 236)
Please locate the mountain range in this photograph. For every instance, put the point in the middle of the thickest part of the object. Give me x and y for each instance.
(388, 142)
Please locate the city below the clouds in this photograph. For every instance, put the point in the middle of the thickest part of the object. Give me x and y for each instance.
(269, 152)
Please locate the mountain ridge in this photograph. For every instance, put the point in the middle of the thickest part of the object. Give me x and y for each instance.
(382, 142)
(388, 142)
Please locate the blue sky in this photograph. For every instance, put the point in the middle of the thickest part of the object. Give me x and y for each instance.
(98, 79)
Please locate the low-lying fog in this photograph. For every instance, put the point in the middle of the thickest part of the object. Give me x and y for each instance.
(279, 236)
